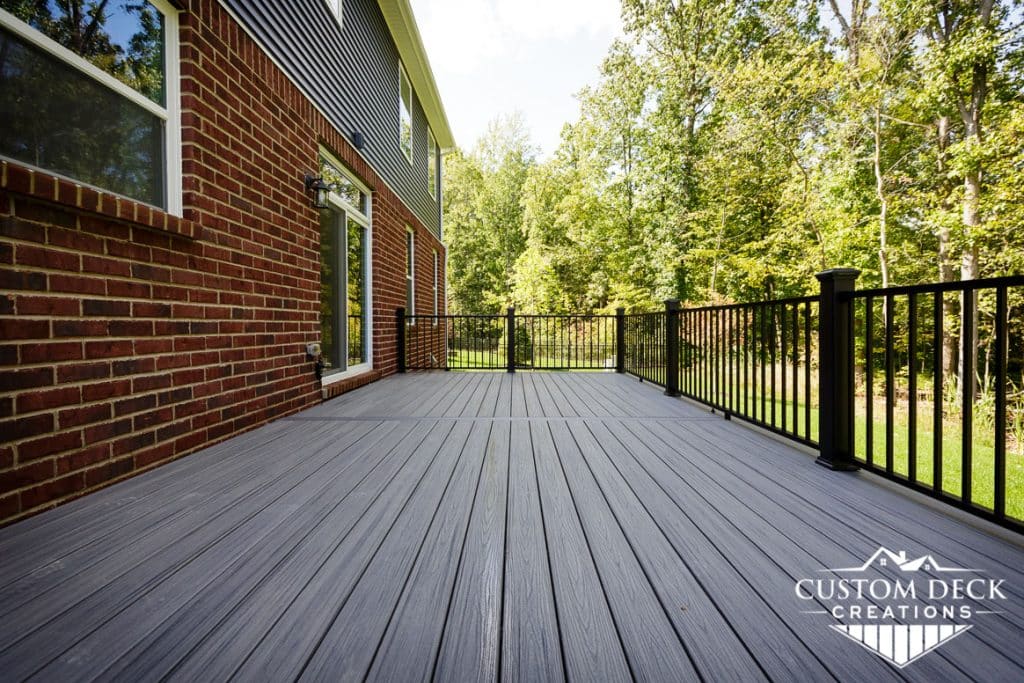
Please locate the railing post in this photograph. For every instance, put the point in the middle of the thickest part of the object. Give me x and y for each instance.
(672, 347)
(620, 339)
(400, 337)
(835, 369)
(510, 341)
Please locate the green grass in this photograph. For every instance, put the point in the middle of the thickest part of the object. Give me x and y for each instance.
(982, 442)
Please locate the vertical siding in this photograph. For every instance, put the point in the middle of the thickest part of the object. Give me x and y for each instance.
(351, 74)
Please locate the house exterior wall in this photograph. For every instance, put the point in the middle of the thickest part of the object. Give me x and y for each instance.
(130, 337)
(350, 69)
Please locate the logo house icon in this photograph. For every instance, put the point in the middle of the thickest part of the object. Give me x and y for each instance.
(900, 608)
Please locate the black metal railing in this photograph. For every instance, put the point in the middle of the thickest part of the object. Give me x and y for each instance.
(872, 379)
(564, 342)
(937, 395)
(755, 361)
(484, 342)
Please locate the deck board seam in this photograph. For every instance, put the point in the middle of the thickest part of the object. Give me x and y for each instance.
(639, 563)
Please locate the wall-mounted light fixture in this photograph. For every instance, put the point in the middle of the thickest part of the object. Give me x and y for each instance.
(319, 190)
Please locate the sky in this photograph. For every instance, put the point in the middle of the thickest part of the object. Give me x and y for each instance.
(495, 57)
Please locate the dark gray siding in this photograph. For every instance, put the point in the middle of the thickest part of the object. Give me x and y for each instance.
(351, 74)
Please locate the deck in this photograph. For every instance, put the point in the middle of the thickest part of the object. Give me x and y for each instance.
(481, 526)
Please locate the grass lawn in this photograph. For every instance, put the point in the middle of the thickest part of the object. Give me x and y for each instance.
(983, 442)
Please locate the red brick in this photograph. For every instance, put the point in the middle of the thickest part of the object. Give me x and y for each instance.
(107, 430)
(51, 353)
(20, 328)
(83, 458)
(11, 380)
(46, 400)
(48, 305)
(43, 257)
(108, 471)
(137, 366)
(82, 371)
(105, 390)
(9, 354)
(106, 307)
(48, 445)
(52, 490)
(26, 475)
(133, 442)
(126, 406)
(25, 427)
(79, 328)
(76, 417)
(108, 349)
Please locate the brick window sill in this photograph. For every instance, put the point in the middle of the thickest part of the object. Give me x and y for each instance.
(54, 189)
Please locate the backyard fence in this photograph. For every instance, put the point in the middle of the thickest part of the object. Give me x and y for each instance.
(889, 380)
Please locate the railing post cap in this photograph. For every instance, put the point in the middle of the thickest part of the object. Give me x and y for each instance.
(838, 274)
(672, 304)
(620, 310)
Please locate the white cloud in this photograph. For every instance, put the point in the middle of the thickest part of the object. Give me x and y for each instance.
(460, 35)
(493, 57)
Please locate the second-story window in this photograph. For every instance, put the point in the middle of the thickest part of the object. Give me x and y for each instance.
(431, 163)
(405, 113)
(90, 91)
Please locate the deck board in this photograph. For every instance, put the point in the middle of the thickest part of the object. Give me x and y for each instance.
(481, 526)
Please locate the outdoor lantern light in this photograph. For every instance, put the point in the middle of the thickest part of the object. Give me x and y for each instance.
(319, 189)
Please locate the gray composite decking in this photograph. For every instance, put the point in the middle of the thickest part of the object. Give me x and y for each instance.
(474, 527)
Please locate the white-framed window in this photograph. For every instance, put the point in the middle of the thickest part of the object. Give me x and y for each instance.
(437, 273)
(405, 141)
(410, 271)
(431, 163)
(346, 273)
(336, 9)
(95, 96)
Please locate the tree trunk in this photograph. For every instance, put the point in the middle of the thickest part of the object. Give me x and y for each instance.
(946, 270)
(883, 201)
(970, 270)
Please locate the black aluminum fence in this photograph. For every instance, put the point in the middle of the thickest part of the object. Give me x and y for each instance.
(872, 379)
(644, 346)
(923, 420)
(755, 361)
(484, 342)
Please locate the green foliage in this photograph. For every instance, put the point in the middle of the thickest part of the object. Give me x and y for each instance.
(731, 150)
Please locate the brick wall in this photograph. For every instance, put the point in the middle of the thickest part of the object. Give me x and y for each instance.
(129, 337)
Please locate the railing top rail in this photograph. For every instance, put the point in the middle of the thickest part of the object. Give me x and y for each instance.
(958, 286)
(460, 316)
(565, 315)
(751, 304)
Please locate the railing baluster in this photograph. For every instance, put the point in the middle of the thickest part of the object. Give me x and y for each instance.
(796, 370)
(967, 355)
(999, 460)
(869, 375)
(912, 386)
(938, 375)
(807, 370)
(890, 381)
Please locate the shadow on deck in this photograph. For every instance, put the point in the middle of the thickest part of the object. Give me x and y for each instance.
(476, 526)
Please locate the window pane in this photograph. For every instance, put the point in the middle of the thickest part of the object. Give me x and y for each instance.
(431, 163)
(57, 118)
(125, 39)
(330, 293)
(405, 114)
(342, 186)
(356, 293)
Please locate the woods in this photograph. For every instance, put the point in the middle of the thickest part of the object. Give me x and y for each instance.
(730, 150)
